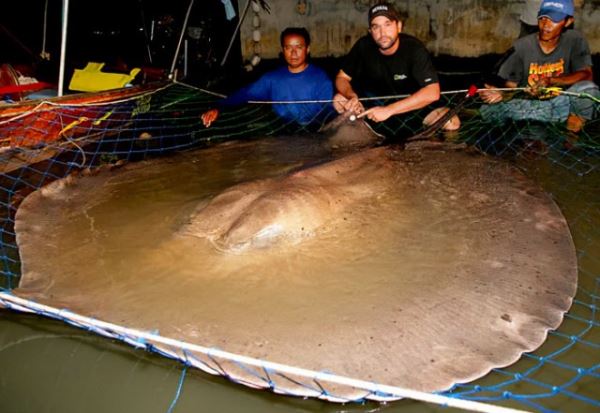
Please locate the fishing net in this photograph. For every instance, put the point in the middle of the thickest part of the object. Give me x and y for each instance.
(52, 148)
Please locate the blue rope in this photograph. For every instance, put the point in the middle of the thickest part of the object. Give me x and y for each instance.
(179, 388)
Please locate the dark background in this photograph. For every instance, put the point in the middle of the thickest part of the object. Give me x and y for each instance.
(118, 32)
(122, 33)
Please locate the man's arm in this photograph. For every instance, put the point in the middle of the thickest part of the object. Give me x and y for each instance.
(491, 96)
(581, 62)
(572, 78)
(562, 81)
(423, 97)
(510, 66)
(258, 90)
(346, 99)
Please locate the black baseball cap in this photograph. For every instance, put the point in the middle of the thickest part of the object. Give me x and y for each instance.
(383, 9)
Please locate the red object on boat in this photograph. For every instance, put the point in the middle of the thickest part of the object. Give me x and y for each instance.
(29, 87)
(9, 78)
(34, 123)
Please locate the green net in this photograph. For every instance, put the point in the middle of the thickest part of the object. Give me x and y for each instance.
(44, 143)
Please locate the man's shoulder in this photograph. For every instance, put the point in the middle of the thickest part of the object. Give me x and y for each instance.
(573, 35)
(366, 43)
(314, 69)
(317, 75)
(526, 43)
(277, 73)
(409, 39)
(411, 45)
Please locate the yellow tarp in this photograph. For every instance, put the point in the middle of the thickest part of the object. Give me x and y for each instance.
(92, 79)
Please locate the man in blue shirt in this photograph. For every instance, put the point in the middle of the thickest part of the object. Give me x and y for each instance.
(298, 81)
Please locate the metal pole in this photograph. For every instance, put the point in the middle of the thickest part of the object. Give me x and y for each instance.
(185, 22)
(146, 40)
(237, 28)
(44, 55)
(63, 47)
(185, 58)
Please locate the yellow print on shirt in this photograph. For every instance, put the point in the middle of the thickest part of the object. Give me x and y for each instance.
(538, 71)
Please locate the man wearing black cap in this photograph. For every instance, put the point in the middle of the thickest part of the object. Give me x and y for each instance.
(386, 62)
(553, 57)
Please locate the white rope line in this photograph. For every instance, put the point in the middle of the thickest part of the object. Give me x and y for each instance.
(58, 104)
(278, 102)
(81, 151)
(7, 299)
(26, 113)
(450, 92)
(200, 89)
(579, 95)
(332, 100)
(47, 102)
(446, 73)
(190, 97)
(506, 89)
(112, 102)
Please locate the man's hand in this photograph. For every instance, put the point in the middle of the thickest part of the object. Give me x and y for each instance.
(209, 117)
(343, 104)
(543, 88)
(490, 96)
(536, 88)
(376, 114)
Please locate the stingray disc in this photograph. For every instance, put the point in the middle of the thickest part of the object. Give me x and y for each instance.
(458, 267)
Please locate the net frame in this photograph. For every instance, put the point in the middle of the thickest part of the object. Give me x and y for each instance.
(80, 147)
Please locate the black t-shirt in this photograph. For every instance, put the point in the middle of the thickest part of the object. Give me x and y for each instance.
(375, 74)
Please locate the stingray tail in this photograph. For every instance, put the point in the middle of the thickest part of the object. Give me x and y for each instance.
(438, 124)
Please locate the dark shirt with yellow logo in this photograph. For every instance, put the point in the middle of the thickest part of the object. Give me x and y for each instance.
(528, 62)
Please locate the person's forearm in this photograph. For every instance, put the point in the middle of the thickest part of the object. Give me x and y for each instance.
(418, 100)
(572, 78)
(344, 87)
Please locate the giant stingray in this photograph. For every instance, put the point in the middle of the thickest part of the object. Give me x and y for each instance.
(455, 302)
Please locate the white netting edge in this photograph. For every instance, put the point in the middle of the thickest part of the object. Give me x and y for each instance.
(251, 372)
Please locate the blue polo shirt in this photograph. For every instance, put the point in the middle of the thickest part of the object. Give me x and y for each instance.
(282, 85)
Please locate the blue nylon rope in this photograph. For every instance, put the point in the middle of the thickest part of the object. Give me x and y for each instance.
(179, 388)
